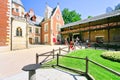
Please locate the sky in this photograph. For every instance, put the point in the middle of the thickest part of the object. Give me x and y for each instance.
(84, 7)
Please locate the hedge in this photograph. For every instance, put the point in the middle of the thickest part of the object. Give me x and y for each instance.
(112, 55)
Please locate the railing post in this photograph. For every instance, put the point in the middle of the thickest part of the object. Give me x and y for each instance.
(68, 48)
(57, 59)
(86, 65)
(53, 53)
(95, 45)
(59, 50)
(37, 58)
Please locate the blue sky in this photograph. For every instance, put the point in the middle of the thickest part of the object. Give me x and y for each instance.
(84, 7)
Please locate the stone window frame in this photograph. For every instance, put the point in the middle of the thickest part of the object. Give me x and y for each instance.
(58, 26)
(19, 32)
(46, 27)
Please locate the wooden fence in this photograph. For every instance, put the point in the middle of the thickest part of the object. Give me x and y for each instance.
(86, 73)
(51, 53)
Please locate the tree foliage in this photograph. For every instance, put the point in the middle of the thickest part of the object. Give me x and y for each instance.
(70, 16)
(89, 16)
(117, 7)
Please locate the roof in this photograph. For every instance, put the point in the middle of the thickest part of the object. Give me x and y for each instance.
(100, 17)
(37, 22)
(51, 11)
(18, 2)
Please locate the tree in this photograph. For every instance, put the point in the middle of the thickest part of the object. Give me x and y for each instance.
(109, 9)
(117, 7)
(89, 16)
(70, 16)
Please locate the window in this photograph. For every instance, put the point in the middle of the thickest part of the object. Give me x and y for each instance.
(37, 30)
(30, 29)
(46, 38)
(36, 39)
(18, 31)
(46, 27)
(58, 27)
(17, 10)
(58, 17)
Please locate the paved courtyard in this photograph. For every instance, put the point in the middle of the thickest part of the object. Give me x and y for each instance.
(48, 74)
(12, 62)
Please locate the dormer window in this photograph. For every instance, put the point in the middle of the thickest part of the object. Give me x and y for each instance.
(17, 10)
(58, 17)
(33, 18)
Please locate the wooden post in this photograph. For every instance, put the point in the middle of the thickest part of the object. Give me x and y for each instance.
(59, 50)
(57, 59)
(95, 45)
(32, 75)
(32, 70)
(37, 58)
(68, 48)
(86, 65)
(53, 53)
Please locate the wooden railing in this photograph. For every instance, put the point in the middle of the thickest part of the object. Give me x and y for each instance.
(86, 73)
(51, 53)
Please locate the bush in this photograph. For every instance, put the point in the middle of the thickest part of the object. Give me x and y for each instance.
(112, 55)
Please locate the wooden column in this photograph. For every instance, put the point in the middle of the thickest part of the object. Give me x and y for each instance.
(89, 33)
(108, 29)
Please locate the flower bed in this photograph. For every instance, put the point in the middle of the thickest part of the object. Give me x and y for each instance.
(112, 55)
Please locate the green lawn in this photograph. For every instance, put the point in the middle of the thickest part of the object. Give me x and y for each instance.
(97, 72)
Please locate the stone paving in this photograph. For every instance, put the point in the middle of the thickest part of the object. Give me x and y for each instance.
(12, 62)
(48, 74)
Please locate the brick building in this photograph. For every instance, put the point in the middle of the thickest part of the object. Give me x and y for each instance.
(19, 29)
(5, 25)
(50, 26)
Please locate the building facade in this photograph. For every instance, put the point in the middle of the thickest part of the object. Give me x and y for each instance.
(34, 29)
(19, 29)
(19, 26)
(50, 26)
(5, 25)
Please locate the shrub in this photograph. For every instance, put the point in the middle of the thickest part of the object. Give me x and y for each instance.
(112, 55)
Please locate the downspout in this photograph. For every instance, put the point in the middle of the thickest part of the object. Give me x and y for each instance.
(26, 35)
(11, 18)
(11, 35)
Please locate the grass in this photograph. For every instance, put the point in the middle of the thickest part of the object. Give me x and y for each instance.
(97, 72)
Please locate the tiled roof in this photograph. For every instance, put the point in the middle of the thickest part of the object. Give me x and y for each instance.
(100, 17)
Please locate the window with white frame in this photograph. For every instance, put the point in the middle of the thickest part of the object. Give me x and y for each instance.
(19, 32)
(46, 27)
(46, 38)
(37, 30)
(58, 17)
(58, 27)
(36, 39)
(30, 29)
